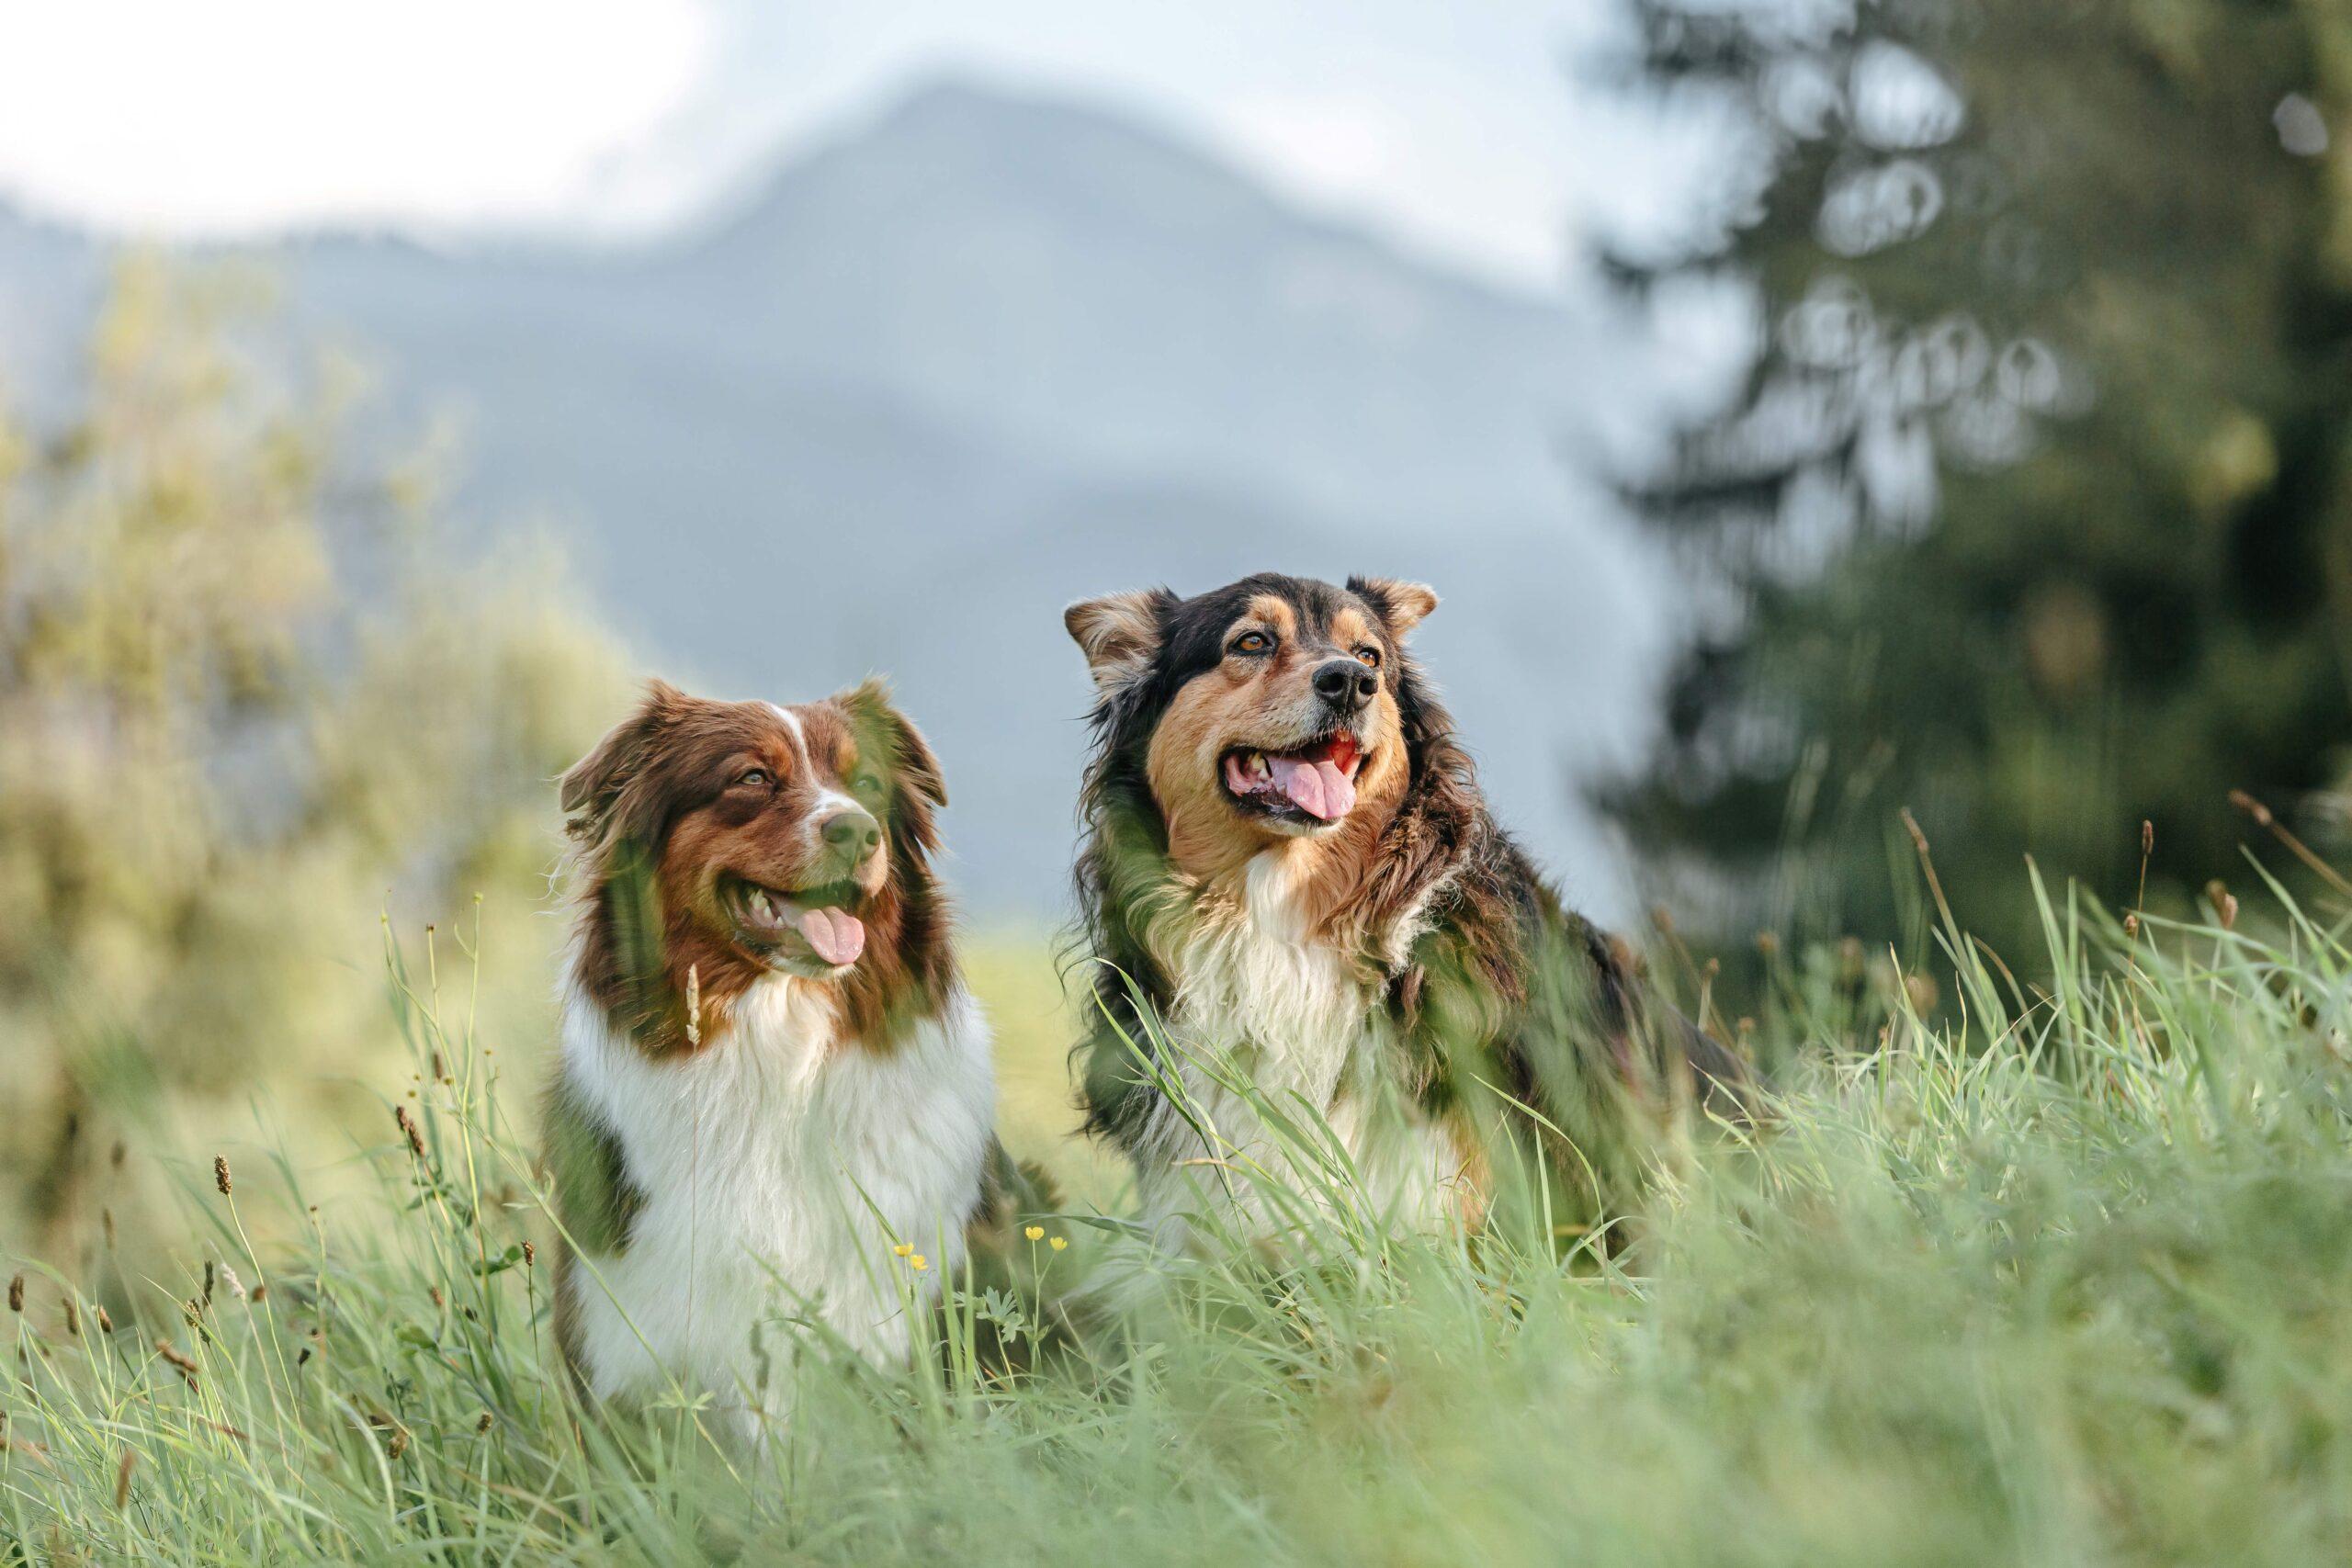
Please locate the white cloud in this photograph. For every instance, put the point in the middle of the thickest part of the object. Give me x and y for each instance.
(235, 117)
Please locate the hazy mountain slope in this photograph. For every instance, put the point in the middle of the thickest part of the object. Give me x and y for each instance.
(974, 360)
(1069, 278)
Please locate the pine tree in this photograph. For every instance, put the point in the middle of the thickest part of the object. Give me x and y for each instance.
(2033, 512)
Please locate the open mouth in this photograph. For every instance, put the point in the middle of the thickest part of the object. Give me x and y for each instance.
(1314, 783)
(819, 919)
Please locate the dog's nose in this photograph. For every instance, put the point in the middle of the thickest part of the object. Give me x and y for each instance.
(852, 834)
(1345, 683)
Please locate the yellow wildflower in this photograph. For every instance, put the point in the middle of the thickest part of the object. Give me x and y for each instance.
(1058, 1243)
(1034, 1232)
(904, 1249)
(919, 1262)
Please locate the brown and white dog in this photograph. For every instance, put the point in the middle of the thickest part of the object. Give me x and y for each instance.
(1289, 874)
(774, 1095)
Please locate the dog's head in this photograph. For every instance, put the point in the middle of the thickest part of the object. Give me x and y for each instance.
(745, 837)
(1273, 707)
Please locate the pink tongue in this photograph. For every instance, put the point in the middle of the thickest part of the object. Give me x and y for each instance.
(1319, 789)
(838, 936)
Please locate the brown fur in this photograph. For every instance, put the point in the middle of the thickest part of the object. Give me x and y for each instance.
(1492, 984)
(657, 824)
(1259, 702)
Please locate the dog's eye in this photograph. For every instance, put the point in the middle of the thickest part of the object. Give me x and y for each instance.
(755, 778)
(1253, 642)
(1369, 656)
(866, 783)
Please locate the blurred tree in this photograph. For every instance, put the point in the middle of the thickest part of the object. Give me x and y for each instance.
(2032, 511)
(246, 701)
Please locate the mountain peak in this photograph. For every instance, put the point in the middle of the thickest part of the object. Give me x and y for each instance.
(1075, 279)
(955, 101)
(963, 141)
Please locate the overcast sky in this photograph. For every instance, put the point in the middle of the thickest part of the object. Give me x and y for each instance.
(1457, 128)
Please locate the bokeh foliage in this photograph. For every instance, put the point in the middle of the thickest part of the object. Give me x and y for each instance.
(252, 695)
(2033, 512)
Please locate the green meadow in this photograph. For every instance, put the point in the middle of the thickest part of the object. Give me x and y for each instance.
(2059, 1273)
(2019, 516)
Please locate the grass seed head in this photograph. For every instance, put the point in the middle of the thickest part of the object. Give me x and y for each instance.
(221, 1173)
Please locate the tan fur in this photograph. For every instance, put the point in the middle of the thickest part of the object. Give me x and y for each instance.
(1408, 604)
(1352, 626)
(1385, 970)
(1119, 633)
(1274, 614)
(1268, 704)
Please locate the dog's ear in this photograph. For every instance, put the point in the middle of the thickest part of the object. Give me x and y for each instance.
(1120, 634)
(592, 791)
(1402, 604)
(891, 743)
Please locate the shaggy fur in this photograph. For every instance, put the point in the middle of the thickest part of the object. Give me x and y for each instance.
(1400, 967)
(750, 1113)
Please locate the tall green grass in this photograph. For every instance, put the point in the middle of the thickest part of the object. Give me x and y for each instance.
(2065, 1277)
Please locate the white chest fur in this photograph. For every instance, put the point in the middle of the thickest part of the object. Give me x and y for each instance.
(1284, 1008)
(779, 1168)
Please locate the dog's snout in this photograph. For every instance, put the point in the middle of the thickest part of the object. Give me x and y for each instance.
(1346, 683)
(852, 834)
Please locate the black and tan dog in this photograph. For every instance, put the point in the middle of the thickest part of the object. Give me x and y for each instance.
(1295, 889)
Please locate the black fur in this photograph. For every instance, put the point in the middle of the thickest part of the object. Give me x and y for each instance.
(1504, 993)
